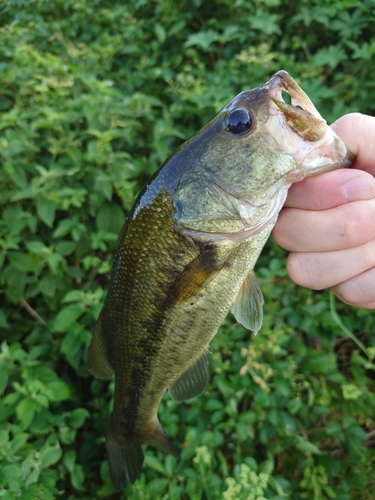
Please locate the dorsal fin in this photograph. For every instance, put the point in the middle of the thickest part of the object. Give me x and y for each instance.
(248, 307)
(98, 361)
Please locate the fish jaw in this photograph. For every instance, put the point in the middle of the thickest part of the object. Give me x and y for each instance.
(305, 134)
(283, 81)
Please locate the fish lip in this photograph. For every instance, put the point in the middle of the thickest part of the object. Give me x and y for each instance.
(283, 81)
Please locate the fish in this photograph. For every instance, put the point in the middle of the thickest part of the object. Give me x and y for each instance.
(186, 255)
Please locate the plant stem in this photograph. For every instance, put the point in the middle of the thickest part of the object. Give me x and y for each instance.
(348, 333)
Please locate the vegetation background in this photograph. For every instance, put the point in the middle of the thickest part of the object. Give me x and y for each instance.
(94, 95)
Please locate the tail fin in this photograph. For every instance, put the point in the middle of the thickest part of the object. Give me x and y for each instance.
(125, 455)
(125, 458)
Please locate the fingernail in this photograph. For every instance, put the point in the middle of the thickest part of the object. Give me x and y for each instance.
(359, 188)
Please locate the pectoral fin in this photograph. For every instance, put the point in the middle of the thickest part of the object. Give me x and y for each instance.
(98, 362)
(248, 308)
(193, 278)
(192, 382)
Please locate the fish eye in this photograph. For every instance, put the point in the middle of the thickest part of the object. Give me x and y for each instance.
(239, 121)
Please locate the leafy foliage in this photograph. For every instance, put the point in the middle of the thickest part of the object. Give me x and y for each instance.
(93, 97)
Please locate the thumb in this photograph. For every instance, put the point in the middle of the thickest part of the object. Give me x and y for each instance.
(358, 133)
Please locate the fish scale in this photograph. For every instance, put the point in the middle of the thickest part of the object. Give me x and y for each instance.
(186, 255)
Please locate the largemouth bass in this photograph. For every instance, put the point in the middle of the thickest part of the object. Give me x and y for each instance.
(186, 254)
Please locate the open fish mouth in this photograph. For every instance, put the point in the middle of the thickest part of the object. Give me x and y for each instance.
(301, 115)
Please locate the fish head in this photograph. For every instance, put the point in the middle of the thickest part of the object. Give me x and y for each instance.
(247, 157)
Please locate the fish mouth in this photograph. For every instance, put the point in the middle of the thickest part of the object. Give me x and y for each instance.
(301, 115)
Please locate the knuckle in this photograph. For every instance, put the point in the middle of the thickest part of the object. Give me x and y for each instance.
(357, 223)
(352, 230)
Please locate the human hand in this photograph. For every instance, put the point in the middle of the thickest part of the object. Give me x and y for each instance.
(328, 222)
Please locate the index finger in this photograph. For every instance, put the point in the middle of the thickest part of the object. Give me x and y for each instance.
(331, 189)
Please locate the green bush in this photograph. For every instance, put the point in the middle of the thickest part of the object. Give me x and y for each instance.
(94, 95)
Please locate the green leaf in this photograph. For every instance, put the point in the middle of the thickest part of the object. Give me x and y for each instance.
(11, 472)
(26, 410)
(282, 385)
(74, 296)
(37, 247)
(265, 22)
(46, 210)
(3, 380)
(203, 39)
(55, 260)
(320, 363)
(78, 417)
(155, 464)
(110, 218)
(65, 227)
(67, 317)
(77, 477)
(308, 447)
(37, 492)
(71, 344)
(334, 429)
(66, 247)
(69, 459)
(19, 440)
(3, 321)
(50, 456)
(16, 280)
(23, 261)
(47, 285)
(331, 56)
(57, 391)
(214, 404)
(160, 32)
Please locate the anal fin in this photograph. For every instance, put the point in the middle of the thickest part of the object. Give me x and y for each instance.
(248, 307)
(159, 438)
(192, 382)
